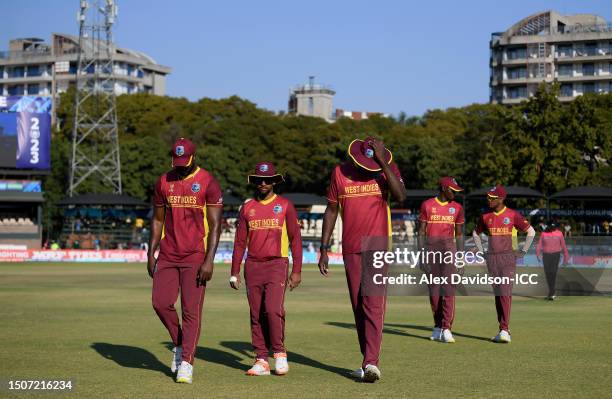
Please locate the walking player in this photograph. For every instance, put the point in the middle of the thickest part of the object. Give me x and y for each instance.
(267, 227)
(501, 224)
(186, 226)
(440, 230)
(361, 188)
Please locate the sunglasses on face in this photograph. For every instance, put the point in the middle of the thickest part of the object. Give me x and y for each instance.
(261, 180)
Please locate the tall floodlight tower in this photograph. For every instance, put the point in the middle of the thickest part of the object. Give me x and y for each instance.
(95, 143)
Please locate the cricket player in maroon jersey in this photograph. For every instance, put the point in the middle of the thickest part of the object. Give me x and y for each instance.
(501, 224)
(361, 188)
(440, 229)
(267, 227)
(186, 227)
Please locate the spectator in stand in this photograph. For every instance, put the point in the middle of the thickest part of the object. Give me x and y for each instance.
(606, 227)
(549, 250)
(595, 229)
(567, 230)
(54, 246)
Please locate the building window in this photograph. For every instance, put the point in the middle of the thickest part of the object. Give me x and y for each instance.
(565, 70)
(517, 53)
(567, 90)
(1, 72)
(517, 92)
(33, 89)
(17, 72)
(517, 73)
(34, 70)
(588, 69)
(590, 49)
(15, 90)
(310, 106)
(588, 87)
(73, 68)
(564, 50)
(1, 90)
(140, 73)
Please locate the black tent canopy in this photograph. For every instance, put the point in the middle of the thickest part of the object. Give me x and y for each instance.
(584, 193)
(511, 191)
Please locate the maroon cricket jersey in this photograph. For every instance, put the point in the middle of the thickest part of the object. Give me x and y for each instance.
(364, 204)
(501, 227)
(185, 228)
(441, 218)
(267, 229)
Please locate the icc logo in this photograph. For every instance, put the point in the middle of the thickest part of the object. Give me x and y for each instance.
(179, 151)
(195, 187)
(277, 209)
(451, 211)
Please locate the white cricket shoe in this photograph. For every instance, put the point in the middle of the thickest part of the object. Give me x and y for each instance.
(281, 366)
(357, 374)
(446, 336)
(177, 354)
(261, 367)
(184, 374)
(502, 337)
(435, 334)
(371, 373)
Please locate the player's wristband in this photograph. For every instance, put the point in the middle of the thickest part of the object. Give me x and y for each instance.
(233, 279)
(326, 247)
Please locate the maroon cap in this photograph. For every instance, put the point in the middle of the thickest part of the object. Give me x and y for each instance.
(497, 192)
(450, 182)
(266, 169)
(362, 153)
(182, 152)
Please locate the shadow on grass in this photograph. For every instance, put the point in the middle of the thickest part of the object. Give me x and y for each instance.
(391, 328)
(245, 349)
(131, 357)
(216, 356)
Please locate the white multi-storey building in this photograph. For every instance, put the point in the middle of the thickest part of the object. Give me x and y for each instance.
(573, 50)
(33, 67)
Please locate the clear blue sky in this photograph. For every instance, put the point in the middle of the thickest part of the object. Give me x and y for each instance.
(384, 56)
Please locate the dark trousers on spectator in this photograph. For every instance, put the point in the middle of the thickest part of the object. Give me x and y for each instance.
(551, 265)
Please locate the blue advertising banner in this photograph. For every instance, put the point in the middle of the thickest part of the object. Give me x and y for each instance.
(25, 132)
(33, 140)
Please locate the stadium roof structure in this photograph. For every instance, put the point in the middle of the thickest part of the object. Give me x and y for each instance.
(14, 196)
(305, 199)
(103, 199)
(511, 191)
(584, 193)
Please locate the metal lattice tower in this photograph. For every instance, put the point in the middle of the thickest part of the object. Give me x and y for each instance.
(95, 141)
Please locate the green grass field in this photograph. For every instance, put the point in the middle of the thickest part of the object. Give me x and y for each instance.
(94, 323)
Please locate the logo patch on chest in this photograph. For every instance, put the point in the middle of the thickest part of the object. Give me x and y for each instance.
(506, 220)
(195, 187)
(277, 209)
(251, 212)
(451, 211)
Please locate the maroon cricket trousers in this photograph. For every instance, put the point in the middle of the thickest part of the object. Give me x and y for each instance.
(369, 311)
(167, 281)
(502, 264)
(442, 296)
(265, 285)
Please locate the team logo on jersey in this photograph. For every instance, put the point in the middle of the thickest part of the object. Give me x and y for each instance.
(179, 151)
(506, 220)
(451, 210)
(434, 210)
(195, 187)
(263, 168)
(277, 209)
(369, 153)
(251, 212)
(171, 189)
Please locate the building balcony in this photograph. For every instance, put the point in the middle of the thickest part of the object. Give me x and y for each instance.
(583, 58)
(27, 79)
(583, 78)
